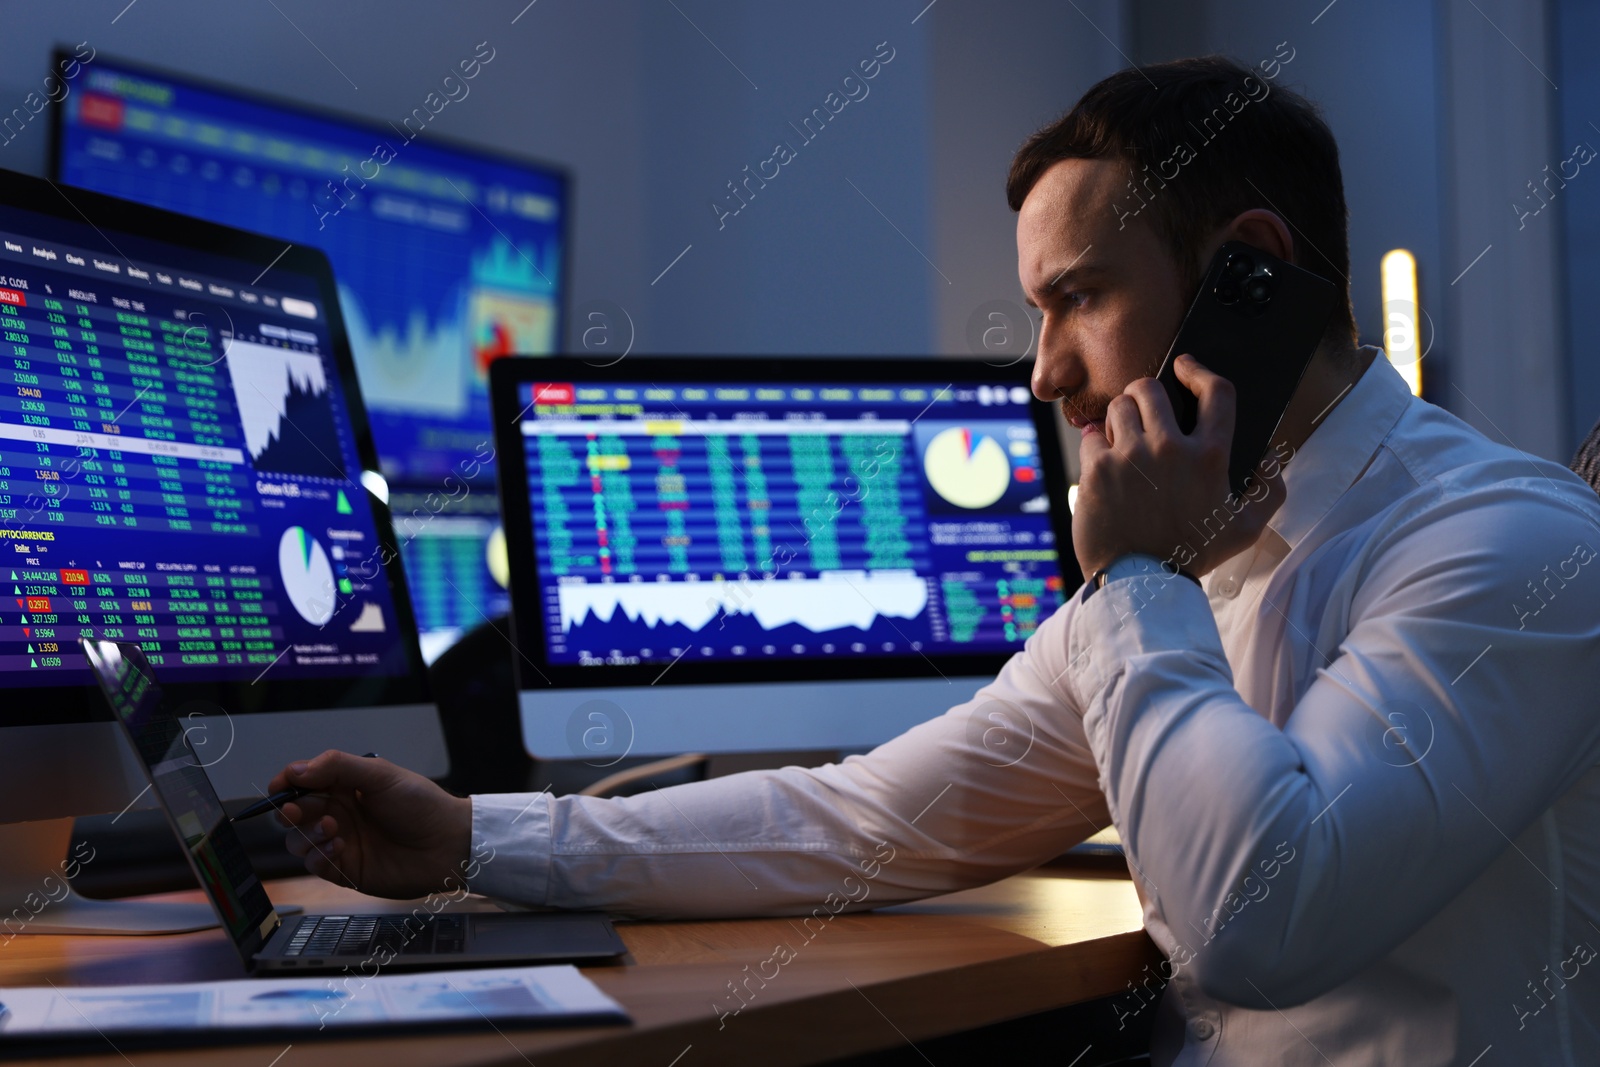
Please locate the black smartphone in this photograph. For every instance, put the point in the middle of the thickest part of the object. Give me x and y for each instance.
(1256, 321)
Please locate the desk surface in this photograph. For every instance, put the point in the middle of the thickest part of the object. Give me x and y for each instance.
(1031, 943)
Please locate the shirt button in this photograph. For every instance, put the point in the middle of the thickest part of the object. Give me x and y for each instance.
(1228, 588)
(1202, 1029)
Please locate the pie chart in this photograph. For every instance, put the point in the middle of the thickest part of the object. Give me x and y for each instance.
(967, 468)
(307, 575)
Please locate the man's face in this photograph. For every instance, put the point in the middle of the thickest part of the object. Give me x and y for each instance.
(1112, 299)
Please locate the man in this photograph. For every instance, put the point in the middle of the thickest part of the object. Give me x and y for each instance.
(1353, 771)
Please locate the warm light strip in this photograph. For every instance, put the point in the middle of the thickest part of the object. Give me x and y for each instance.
(1402, 332)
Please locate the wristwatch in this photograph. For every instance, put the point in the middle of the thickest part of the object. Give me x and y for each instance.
(1129, 565)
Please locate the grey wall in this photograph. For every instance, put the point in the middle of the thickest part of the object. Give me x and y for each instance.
(655, 105)
(1504, 313)
(995, 81)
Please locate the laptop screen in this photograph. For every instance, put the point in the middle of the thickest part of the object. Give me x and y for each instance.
(185, 793)
(785, 521)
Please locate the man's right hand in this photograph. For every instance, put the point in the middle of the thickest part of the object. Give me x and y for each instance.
(376, 827)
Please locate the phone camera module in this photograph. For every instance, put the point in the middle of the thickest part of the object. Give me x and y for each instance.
(1258, 291)
(1227, 293)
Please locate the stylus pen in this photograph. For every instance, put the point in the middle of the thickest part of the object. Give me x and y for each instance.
(277, 800)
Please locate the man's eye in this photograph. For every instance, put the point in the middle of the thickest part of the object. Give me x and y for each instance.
(1073, 300)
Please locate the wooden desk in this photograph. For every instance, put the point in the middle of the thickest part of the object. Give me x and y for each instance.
(1032, 943)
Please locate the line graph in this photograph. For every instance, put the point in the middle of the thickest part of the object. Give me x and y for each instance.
(286, 409)
(819, 605)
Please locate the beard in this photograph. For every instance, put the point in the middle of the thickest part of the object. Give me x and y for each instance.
(1087, 405)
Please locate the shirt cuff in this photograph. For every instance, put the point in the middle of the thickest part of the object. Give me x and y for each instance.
(1156, 611)
(511, 846)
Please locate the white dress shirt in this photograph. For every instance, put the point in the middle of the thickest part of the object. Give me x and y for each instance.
(1355, 776)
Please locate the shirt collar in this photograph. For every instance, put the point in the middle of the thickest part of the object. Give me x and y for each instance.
(1338, 450)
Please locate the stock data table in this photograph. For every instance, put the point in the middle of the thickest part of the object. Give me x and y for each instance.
(140, 454)
(752, 521)
(118, 421)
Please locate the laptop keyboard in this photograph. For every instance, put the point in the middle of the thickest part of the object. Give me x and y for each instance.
(361, 935)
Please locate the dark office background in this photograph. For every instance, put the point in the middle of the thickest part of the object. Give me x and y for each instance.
(890, 229)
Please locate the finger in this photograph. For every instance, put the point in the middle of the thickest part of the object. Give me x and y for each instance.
(301, 840)
(303, 810)
(324, 862)
(1155, 409)
(316, 830)
(1092, 447)
(1215, 394)
(1122, 421)
(341, 772)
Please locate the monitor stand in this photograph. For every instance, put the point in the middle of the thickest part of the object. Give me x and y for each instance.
(36, 896)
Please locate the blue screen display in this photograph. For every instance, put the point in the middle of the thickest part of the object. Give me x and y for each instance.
(177, 468)
(455, 558)
(446, 260)
(748, 521)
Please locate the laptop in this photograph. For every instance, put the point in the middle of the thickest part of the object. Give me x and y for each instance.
(423, 938)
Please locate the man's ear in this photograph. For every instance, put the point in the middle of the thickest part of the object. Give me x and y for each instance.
(1258, 228)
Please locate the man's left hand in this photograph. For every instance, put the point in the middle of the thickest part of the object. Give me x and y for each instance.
(1147, 487)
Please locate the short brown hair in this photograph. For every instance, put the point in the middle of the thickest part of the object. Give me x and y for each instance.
(1205, 139)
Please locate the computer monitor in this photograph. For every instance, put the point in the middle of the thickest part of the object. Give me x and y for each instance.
(182, 456)
(447, 259)
(763, 554)
(455, 555)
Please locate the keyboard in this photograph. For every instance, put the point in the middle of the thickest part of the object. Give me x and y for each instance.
(318, 936)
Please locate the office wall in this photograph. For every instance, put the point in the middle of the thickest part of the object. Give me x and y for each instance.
(882, 233)
(995, 81)
(1504, 313)
(801, 261)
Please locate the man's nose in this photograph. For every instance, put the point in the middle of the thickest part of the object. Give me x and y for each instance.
(1052, 371)
(1042, 389)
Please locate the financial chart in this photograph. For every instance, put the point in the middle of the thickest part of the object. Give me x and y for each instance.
(279, 388)
(447, 259)
(173, 484)
(780, 521)
(455, 559)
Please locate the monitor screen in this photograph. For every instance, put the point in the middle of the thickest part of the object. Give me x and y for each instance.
(179, 465)
(785, 520)
(447, 258)
(455, 555)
